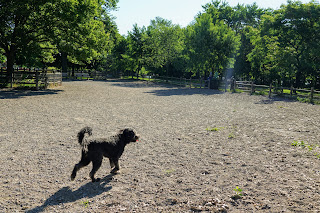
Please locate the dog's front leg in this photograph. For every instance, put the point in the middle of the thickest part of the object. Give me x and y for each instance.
(117, 167)
(111, 163)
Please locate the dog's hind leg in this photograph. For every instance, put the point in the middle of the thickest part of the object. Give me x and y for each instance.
(95, 166)
(83, 162)
(116, 166)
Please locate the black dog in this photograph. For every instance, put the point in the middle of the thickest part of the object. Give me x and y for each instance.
(93, 150)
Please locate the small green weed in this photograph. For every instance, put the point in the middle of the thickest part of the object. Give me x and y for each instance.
(231, 136)
(169, 171)
(238, 191)
(85, 203)
(214, 129)
(238, 194)
(282, 107)
(317, 155)
(298, 143)
(307, 146)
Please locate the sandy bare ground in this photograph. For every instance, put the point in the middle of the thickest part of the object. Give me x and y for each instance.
(177, 166)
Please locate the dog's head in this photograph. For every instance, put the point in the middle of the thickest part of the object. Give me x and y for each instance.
(129, 135)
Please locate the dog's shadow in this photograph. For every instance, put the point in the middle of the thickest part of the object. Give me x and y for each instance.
(66, 195)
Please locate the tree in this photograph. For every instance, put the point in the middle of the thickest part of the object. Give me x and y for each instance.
(164, 44)
(212, 44)
(297, 26)
(136, 43)
(37, 29)
(286, 46)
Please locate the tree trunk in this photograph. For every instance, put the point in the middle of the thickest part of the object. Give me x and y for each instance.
(64, 62)
(10, 54)
(298, 79)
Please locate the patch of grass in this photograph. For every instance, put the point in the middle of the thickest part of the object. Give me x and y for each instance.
(231, 136)
(309, 147)
(85, 203)
(261, 92)
(214, 129)
(169, 171)
(298, 143)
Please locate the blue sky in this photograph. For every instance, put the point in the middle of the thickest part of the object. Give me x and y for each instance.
(180, 12)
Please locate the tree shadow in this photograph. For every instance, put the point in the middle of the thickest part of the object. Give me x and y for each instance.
(137, 83)
(168, 89)
(16, 93)
(184, 92)
(272, 100)
(66, 195)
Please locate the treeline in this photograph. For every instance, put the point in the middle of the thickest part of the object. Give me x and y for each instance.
(264, 45)
(250, 43)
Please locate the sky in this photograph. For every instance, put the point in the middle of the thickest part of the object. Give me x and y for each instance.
(181, 12)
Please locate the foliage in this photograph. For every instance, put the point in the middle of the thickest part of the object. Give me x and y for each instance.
(164, 46)
(267, 46)
(33, 32)
(212, 45)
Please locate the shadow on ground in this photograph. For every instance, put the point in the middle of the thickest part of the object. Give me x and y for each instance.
(275, 99)
(168, 90)
(184, 92)
(66, 195)
(17, 93)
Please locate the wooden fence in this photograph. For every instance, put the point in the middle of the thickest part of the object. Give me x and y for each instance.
(27, 77)
(308, 95)
(180, 82)
(84, 75)
(304, 95)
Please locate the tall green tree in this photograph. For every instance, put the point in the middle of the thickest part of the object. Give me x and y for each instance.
(37, 29)
(286, 46)
(213, 44)
(297, 26)
(164, 43)
(136, 47)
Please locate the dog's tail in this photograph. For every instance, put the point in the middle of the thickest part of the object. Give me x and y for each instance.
(82, 133)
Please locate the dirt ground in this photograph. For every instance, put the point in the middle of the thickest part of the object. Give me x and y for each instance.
(197, 148)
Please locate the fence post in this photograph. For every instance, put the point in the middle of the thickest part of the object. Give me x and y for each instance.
(291, 91)
(311, 94)
(225, 85)
(37, 80)
(54, 77)
(270, 90)
(12, 78)
(190, 83)
(233, 85)
(252, 88)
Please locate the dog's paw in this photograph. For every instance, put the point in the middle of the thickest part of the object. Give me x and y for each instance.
(96, 180)
(114, 171)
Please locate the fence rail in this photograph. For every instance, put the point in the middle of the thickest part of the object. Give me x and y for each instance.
(38, 78)
(84, 75)
(305, 95)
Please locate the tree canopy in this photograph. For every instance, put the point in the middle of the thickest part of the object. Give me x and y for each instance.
(34, 32)
(263, 45)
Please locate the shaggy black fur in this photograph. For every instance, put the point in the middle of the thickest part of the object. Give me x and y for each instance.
(93, 150)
